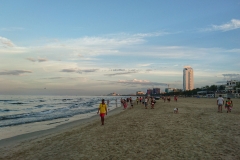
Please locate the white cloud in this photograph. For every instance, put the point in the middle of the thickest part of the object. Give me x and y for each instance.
(233, 24)
(4, 42)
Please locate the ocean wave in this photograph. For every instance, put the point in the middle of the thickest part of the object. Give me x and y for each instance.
(18, 103)
(13, 120)
(6, 110)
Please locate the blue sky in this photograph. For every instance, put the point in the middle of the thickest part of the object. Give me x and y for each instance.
(90, 47)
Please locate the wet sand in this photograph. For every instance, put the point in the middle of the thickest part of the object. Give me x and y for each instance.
(198, 131)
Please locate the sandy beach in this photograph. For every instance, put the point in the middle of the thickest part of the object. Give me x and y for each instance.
(198, 131)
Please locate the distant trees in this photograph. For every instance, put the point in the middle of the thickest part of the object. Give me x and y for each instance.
(222, 87)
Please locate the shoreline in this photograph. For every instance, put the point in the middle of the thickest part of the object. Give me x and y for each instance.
(15, 140)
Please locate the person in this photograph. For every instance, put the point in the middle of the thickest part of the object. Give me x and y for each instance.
(124, 104)
(229, 105)
(220, 103)
(175, 110)
(152, 103)
(169, 99)
(164, 99)
(103, 110)
(108, 104)
(175, 98)
(131, 102)
(146, 102)
(137, 100)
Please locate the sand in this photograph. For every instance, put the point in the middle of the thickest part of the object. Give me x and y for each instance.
(197, 132)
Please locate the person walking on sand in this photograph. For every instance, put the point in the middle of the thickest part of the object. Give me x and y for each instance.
(175, 98)
(103, 110)
(152, 103)
(164, 99)
(229, 105)
(168, 99)
(220, 103)
(146, 102)
(137, 100)
(131, 102)
(108, 103)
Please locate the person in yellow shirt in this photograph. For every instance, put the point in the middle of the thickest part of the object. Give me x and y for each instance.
(103, 110)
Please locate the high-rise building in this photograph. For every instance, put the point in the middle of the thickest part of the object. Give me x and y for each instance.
(188, 81)
(149, 91)
(156, 90)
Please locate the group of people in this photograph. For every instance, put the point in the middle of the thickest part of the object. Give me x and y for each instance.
(127, 102)
(150, 100)
(169, 98)
(146, 101)
(228, 104)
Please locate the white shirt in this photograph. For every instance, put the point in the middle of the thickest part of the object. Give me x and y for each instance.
(220, 100)
(146, 100)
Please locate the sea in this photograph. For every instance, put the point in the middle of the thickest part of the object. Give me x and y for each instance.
(20, 114)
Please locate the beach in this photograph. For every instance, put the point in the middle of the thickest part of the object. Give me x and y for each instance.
(198, 131)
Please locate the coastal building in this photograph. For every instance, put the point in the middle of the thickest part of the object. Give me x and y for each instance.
(231, 85)
(149, 91)
(168, 90)
(139, 93)
(188, 81)
(156, 91)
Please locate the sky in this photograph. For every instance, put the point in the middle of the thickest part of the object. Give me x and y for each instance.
(92, 47)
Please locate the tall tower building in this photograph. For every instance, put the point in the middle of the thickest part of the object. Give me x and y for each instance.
(188, 81)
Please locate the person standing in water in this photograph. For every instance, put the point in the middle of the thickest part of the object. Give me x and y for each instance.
(103, 111)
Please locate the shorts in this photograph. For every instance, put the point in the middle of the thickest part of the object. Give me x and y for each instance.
(102, 115)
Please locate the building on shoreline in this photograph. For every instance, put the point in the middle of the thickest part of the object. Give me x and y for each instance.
(188, 81)
(140, 93)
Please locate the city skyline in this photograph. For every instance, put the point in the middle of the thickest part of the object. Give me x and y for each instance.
(100, 47)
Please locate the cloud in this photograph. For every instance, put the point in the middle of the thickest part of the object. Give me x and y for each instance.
(69, 70)
(42, 59)
(4, 42)
(87, 70)
(79, 70)
(141, 82)
(121, 73)
(14, 72)
(31, 59)
(233, 76)
(145, 65)
(233, 24)
(38, 59)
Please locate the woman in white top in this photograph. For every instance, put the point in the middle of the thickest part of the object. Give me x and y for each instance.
(220, 103)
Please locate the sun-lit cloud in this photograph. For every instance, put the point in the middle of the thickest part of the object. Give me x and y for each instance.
(233, 24)
(141, 82)
(14, 72)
